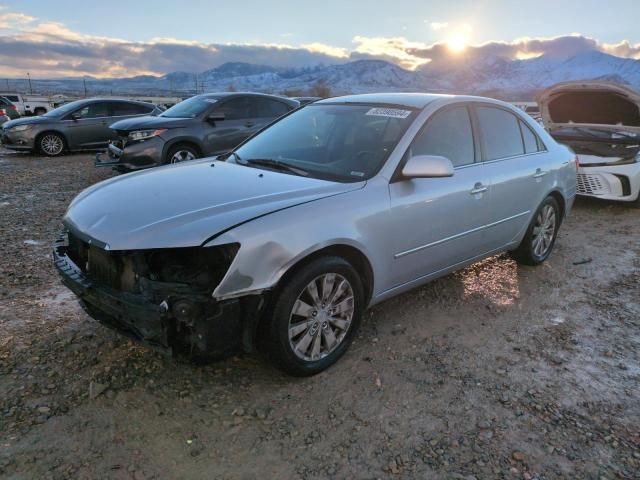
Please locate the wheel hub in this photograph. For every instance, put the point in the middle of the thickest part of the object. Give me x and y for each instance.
(321, 317)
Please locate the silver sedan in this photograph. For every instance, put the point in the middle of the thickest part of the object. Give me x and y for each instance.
(331, 209)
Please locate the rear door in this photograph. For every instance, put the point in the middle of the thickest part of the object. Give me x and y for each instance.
(265, 110)
(223, 135)
(514, 157)
(439, 221)
(90, 128)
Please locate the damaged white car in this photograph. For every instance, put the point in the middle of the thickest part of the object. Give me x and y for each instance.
(600, 121)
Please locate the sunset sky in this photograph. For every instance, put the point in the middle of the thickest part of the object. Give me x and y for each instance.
(118, 38)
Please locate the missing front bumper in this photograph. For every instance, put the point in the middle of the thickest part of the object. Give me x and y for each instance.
(192, 326)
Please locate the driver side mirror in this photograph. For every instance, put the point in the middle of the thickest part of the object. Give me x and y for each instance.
(427, 166)
(216, 117)
(75, 117)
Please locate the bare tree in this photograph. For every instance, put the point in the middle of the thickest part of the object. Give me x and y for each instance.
(320, 89)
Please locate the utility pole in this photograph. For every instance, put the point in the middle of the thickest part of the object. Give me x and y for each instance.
(84, 83)
(8, 89)
(30, 89)
(195, 76)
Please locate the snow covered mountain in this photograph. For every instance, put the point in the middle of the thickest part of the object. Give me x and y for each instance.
(460, 74)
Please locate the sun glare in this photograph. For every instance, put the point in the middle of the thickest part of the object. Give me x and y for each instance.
(457, 42)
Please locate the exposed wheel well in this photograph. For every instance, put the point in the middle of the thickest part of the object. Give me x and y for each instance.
(39, 110)
(40, 135)
(182, 143)
(561, 203)
(351, 254)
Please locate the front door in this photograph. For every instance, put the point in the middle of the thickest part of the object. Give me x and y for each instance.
(439, 222)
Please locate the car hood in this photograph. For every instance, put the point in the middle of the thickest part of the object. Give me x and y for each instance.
(26, 121)
(185, 205)
(599, 104)
(148, 122)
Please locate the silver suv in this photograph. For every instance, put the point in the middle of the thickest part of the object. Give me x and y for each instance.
(333, 208)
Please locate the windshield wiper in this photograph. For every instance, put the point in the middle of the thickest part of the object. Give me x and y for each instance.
(275, 164)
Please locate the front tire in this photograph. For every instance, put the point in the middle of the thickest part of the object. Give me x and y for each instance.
(51, 144)
(181, 153)
(538, 242)
(314, 316)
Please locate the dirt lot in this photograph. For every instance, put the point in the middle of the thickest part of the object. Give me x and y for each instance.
(498, 371)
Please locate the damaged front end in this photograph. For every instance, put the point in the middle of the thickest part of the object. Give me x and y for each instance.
(162, 297)
(600, 122)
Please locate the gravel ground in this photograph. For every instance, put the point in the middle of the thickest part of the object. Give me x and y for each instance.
(497, 371)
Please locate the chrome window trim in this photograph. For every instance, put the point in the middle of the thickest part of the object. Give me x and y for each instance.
(115, 116)
(459, 235)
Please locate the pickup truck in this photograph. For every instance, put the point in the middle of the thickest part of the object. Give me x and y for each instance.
(29, 104)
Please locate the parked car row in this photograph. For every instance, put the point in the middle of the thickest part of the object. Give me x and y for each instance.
(284, 241)
(141, 135)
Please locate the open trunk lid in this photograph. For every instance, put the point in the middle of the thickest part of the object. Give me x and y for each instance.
(600, 121)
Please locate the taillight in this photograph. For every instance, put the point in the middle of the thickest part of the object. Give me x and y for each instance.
(11, 107)
(2, 112)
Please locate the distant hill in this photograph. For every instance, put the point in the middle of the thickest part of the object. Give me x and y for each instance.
(461, 74)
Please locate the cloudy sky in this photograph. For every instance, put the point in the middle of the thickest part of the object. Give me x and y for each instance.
(61, 38)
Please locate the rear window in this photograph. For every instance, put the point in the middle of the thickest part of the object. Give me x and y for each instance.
(267, 108)
(121, 109)
(500, 133)
(531, 141)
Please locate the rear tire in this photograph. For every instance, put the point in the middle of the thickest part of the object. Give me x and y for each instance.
(314, 317)
(181, 153)
(51, 144)
(538, 242)
(39, 111)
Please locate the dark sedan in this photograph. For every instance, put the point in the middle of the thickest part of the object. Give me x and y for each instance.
(203, 125)
(79, 125)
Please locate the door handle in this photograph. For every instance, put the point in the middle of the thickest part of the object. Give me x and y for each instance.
(478, 188)
(249, 124)
(539, 173)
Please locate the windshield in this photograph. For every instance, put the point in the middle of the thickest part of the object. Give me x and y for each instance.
(189, 108)
(345, 143)
(64, 109)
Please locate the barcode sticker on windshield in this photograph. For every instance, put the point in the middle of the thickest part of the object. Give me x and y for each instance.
(389, 112)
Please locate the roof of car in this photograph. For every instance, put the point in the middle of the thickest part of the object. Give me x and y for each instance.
(219, 95)
(412, 100)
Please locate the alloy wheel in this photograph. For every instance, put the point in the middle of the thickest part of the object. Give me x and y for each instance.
(544, 230)
(321, 317)
(182, 156)
(51, 144)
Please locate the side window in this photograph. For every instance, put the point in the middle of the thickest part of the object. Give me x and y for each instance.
(121, 109)
(11, 98)
(500, 133)
(531, 141)
(234, 109)
(448, 134)
(93, 110)
(267, 108)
